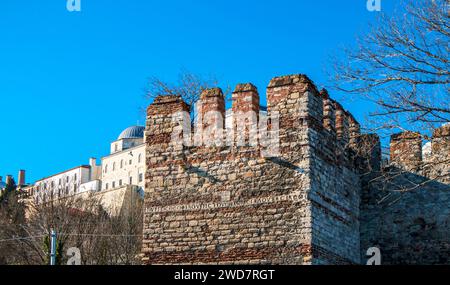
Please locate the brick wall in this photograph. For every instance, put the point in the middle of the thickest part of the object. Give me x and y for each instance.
(232, 204)
(411, 227)
(405, 208)
(320, 198)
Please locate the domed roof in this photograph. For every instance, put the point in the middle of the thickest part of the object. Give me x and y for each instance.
(133, 132)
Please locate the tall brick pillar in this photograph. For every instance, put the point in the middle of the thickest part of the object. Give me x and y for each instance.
(165, 163)
(329, 112)
(21, 178)
(440, 151)
(9, 179)
(211, 117)
(354, 131)
(346, 129)
(329, 124)
(342, 125)
(308, 144)
(406, 150)
(245, 114)
(299, 104)
(440, 143)
(163, 139)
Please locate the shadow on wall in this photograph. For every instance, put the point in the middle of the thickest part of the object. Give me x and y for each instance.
(407, 216)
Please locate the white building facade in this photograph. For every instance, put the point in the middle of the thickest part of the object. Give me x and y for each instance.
(66, 183)
(123, 167)
(126, 163)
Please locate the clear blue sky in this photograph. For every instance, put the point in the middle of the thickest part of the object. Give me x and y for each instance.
(71, 82)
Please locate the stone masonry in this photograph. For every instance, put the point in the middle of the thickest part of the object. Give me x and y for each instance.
(232, 204)
(405, 210)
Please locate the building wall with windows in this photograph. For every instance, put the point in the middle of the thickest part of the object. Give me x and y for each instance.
(125, 165)
(62, 184)
(124, 168)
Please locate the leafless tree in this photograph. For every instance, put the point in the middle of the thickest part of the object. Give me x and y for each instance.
(102, 238)
(189, 86)
(402, 66)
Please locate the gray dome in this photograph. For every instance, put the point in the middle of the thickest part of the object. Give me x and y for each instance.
(133, 132)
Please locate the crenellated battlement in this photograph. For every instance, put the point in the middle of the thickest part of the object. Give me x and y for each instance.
(406, 152)
(440, 142)
(291, 80)
(286, 187)
(245, 119)
(406, 205)
(294, 106)
(295, 95)
(285, 175)
(329, 112)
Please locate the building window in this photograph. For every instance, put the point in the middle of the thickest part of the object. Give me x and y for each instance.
(114, 166)
(141, 177)
(67, 179)
(131, 180)
(106, 186)
(59, 182)
(139, 158)
(130, 162)
(75, 177)
(121, 163)
(115, 147)
(106, 168)
(113, 185)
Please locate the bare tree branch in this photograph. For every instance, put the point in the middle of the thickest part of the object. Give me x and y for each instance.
(402, 66)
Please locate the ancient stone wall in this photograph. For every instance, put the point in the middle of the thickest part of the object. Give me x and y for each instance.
(437, 166)
(319, 196)
(405, 209)
(411, 227)
(406, 151)
(233, 203)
